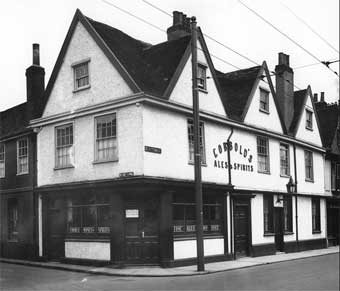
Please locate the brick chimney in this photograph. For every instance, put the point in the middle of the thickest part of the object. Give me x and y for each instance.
(284, 76)
(180, 27)
(35, 85)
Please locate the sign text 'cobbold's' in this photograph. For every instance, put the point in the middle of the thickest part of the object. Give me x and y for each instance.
(234, 147)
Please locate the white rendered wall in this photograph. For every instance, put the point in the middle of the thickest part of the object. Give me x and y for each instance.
(181, 93)
(187, 248)
(106, 83)
(130, 146)
(328, 177)
(255, 117)
(87, 250)
(305, 219)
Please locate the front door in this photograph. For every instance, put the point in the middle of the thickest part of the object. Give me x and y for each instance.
(278, 216)
(241, 219)
(142, 231)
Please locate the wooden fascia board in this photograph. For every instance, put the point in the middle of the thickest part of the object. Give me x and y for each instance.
(79, 17)
(252, 92)
(271, 86)
(210, 64)
(178, 72)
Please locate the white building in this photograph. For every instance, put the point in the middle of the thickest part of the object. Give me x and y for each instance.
(115, 154)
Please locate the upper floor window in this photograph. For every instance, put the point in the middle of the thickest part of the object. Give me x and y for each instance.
(106, 138)
(264, 100)
(202, 76)
(2, 160)
(316, 214)
(12, 218)
(284, 160)
(262, 155)
(268, 213)
(309, 165)
(81, 75)
(22, 156)
(191, 141)
(64, 146)
(309, 119)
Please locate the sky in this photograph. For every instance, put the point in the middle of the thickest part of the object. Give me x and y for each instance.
(46, 22)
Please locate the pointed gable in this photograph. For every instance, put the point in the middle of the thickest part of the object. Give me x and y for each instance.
(179, 89)
(303, 105)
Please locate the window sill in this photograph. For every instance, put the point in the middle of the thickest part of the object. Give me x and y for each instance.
(309, 128)
(309, 180)
(20, 174)
(267, 173)
(264, 111)
(87, 239)
(103, 162)
(269, 234)
(316, 231)
(202, 90)
(284, 176)
(81, 89)
(63, 168)
(202, 164)
(288, 233)
(181, 237)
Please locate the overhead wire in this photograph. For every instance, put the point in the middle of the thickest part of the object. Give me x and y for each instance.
(285, 35)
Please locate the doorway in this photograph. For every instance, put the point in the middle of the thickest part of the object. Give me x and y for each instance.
(278, 224)
(241, 230)
(142, 231)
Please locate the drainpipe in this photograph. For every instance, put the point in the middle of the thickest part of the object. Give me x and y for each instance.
(230, 197)
(296, 201)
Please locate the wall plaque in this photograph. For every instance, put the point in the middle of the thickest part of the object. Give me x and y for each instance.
(153, 150)
(131, 213)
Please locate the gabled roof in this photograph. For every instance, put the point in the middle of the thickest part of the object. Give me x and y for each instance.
(328, 117)
(299, 102)
(236, 88)
(14, 121)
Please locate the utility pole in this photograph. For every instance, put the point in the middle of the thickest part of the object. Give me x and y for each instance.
(197, 152)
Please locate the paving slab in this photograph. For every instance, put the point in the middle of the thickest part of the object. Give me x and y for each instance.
(155, 271)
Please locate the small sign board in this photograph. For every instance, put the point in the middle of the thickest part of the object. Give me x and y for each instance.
(126, 174)
(153, 150)
(131, 213)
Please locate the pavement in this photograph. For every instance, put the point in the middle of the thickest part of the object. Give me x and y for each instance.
(156, 271)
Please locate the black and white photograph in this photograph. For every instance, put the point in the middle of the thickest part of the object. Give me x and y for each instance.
(169, 145)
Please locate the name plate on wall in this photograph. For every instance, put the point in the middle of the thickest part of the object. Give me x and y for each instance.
(131, 213)
(153, 150)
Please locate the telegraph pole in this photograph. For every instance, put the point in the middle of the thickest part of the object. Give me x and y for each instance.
(197, 152)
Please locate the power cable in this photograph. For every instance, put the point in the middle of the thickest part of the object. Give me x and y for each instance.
(288, 37)
(310, 28)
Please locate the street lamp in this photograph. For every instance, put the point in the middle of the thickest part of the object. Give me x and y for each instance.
(290, 189)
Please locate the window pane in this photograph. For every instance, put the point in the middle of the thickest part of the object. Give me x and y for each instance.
(81, 75)
(104, 219)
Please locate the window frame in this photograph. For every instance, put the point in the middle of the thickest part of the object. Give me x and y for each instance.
(12, 230)
(309, 122)
(202, 147)
(333, 175)
(72, 155)
(316, 218)
(76, 65)
(267, 156)
(19, 156)
(266, 102)
(310, 154)
(288, 160)
(96, 158)
(288, 214)
(202, 85)
(269, 230)
(2, 160)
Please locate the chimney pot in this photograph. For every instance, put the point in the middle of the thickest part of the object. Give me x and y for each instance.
(315, 98)
(322, 97)
(283, 59)
(36, 55)
(176, 17)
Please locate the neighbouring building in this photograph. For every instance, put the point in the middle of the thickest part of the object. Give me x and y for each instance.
(115, 154)
(18, 176)
(329, 116)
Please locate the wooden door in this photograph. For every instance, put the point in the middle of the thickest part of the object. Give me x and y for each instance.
(241, 231)
(279, 231)
(142, 232)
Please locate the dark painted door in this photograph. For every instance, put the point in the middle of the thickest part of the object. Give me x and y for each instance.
(142, 231)
(241, 219)
(278, 216)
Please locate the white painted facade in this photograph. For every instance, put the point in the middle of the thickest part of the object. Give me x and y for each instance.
(87, 250)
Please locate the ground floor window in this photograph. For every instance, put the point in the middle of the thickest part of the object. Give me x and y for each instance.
(13, 219)
(316, 214)
(184, 215)
(268, 210)
(288, 216)
(89, 214)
